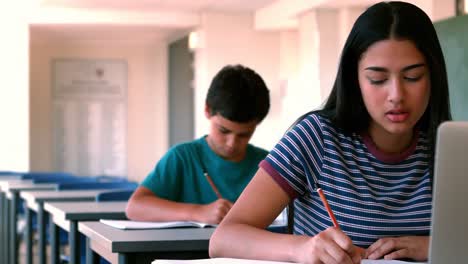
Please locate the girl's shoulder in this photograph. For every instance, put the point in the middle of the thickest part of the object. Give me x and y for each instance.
(318, 120)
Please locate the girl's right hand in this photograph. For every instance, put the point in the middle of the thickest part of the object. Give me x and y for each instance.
(331, 246)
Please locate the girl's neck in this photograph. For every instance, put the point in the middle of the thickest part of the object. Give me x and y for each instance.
(391, 143)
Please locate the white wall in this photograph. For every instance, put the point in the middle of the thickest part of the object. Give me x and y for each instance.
(309, 65)
(147, 94)
(231, 39)
(289, 66)
(275, 55)
(443, 9)
(329, 49)
(14, 91)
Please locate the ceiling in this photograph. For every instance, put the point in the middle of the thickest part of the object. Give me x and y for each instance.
(180, 5)
(90, 33)
(149, 14)
(146, 32)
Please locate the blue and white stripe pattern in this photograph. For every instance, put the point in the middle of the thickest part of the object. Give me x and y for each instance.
(370, 198)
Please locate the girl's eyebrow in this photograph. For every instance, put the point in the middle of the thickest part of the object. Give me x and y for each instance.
(407, 68)
(375, 68)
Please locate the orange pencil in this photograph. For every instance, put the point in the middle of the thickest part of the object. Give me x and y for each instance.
(361, 251)
(327, 206)
(213, 186)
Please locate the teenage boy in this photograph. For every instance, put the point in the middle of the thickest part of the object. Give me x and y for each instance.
(199, 180)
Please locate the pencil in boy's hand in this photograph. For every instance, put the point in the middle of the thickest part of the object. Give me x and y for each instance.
(213, 186)
(327, 206)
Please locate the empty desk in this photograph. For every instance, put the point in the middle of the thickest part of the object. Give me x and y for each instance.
(143, 246)
(35, 202)
(67, 214)
(10, 199)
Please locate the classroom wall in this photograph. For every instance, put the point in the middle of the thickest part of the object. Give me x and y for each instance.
(147, 97)
(16, 152)
(442, 9)
(309, 59)
(289, 66)
(231, 39)
(14, 91)
(329, 49)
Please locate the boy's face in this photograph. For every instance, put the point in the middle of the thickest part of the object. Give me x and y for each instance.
(229, 139)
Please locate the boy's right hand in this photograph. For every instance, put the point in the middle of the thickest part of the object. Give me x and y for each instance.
(331, 246)
(214, 212)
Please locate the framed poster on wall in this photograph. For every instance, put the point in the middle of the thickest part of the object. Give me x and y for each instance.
(89, 117)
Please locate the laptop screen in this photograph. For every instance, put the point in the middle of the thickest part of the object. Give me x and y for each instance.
(449, 230)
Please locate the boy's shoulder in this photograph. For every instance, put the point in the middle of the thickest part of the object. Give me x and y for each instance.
(189, 144)
(257, 151)
(187, 147)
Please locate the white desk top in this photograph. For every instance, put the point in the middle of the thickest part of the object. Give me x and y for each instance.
(24, 185)
(10, 177)
(148, 240)
(64, 212)
(85, 210)
(33, 198)
(4, 183)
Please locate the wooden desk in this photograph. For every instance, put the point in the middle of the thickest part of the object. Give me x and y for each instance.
(67, 214)
(143, 246)
(10, 190)
(35, 202)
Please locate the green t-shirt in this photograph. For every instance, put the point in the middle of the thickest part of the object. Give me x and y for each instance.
(179, 177)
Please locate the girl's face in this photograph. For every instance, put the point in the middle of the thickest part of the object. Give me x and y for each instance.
(395, 86)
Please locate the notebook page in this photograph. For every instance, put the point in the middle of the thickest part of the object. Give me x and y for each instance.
(249, 261)
(217, 261)
(382, 261)
(128, 224)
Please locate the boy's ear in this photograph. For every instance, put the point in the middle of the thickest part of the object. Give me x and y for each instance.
(207, 111)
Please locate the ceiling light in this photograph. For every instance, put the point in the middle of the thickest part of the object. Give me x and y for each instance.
(194, 40)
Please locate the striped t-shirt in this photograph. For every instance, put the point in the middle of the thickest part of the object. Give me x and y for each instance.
(372, 195)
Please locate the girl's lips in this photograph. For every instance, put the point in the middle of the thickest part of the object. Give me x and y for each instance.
(397, 117)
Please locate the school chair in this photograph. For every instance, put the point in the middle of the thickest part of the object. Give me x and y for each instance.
(96, 185)
(111, 178)
(59, 180)
(9, 173)
(119, 195)
(290, 211)
(52, 175)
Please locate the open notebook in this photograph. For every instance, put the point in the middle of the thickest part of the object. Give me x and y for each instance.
(128, 224)
(249, 261)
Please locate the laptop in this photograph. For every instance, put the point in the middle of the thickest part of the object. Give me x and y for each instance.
(449, 230)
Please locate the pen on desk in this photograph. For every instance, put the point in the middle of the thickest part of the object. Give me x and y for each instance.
(213, 186)
(327, 207)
